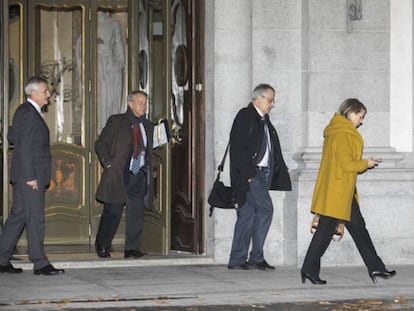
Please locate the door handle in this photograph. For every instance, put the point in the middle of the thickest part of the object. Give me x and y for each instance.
(177, 134)
(155, 181)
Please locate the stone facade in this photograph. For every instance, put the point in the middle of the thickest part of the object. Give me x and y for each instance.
(316, 56)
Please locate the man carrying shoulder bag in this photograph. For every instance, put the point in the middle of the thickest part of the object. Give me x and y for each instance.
(256, 166)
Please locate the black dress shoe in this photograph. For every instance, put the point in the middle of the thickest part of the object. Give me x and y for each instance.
(10, 269)
(242, 266)
(133, 254)
(101, 251)
(263, 265)
(48, 270)
(382, 274)
(314, 280)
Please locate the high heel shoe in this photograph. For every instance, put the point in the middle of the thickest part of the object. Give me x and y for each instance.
(382, 274)
(313, 280)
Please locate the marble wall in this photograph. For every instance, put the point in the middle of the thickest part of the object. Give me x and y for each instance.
(315, 60)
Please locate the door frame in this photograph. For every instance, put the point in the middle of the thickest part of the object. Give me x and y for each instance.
(197, 110)
(4, 82)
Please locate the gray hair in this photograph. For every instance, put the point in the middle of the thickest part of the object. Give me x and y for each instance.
(261, 90)
(33, 84)
(131, 95)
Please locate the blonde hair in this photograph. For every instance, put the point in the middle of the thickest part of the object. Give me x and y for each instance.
(351, 105)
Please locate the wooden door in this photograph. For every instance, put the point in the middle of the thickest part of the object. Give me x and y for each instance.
(187, 175)
(162, 54)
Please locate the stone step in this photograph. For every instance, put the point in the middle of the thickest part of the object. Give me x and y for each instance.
(90, 260)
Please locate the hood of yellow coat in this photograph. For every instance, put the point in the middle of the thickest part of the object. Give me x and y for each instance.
(340, 124)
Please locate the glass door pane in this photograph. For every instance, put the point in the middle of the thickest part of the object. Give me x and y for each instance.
(111, 63)
(57, 52)
(15, 95)
(59, 60)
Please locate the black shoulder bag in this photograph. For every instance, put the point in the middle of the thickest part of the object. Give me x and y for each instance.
(222, 196)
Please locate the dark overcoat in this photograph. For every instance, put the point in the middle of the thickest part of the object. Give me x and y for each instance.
(245, 141)
(113, 148)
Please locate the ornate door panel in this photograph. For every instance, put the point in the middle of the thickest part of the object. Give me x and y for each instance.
(167, 59)
(57, 52)
(14, 21)
(81, 49)
(64, 41)
(186, 110)
(110, 84)
(152, 70)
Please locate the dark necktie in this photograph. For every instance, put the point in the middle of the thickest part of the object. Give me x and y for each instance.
(137, 148)
(136, 139)
(265, 143)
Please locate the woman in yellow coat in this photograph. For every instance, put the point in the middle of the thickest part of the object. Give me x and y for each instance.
(335, 198)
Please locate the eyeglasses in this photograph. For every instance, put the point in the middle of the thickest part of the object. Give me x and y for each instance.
(45, 91)
(272, 101)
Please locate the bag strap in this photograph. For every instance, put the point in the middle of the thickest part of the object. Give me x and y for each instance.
(220, 169)
(221, 166)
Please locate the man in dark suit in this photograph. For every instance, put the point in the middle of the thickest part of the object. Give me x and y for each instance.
(30, 176)
(124, 149)
(256, 165)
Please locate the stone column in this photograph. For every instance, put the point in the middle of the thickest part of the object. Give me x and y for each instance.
(232, 87)
(278, 42)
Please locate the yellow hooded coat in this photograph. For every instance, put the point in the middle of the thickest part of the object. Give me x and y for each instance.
(341, 162)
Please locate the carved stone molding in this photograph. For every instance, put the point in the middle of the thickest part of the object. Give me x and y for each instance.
(311, 157)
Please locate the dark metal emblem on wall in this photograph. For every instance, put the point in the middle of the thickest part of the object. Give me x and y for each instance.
(353, 13)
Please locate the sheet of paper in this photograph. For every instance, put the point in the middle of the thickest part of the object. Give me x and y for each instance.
(161, 134)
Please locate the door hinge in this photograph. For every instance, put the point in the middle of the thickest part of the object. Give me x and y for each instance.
(199, 87)
(90, 229)
(90, 85)
(90, 14)
(90, 157)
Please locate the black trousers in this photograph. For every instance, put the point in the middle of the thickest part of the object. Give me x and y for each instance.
(136, 186)
(323, 237)
(28, 211)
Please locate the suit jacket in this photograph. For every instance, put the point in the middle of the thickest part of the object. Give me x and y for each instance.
(31, 154)
(113, 148)
(245, 142)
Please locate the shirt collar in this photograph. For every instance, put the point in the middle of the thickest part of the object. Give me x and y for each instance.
(258, 111)
(34, 104)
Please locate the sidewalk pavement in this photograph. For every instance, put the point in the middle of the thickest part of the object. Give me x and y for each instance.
(197, 281)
